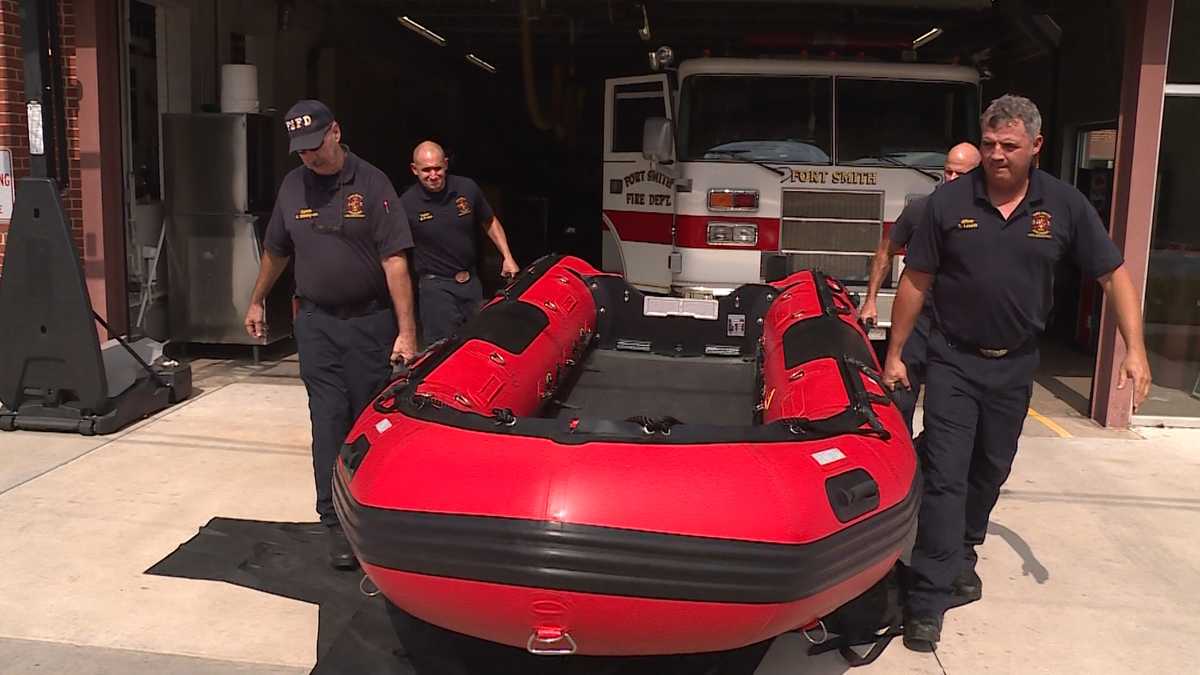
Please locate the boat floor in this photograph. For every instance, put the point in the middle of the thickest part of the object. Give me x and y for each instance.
(697, 390)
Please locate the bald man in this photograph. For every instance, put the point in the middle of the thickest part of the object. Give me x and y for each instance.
(962, 159)
(446, 213)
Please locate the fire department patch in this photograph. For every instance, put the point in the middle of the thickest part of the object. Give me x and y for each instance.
(354, 206)
(1039, 226)
(463, 206)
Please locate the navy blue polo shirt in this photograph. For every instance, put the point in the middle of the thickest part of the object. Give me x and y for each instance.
(446, 225)
(339, 228)
(901, 235)
(913, 213)
(994, 278)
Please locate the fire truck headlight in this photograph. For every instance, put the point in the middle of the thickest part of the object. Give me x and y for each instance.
(745, 234)
(732, 234)
(720, 233)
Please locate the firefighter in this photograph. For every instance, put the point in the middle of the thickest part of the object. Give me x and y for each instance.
(339, 217)
(988, 247)
(446, 213)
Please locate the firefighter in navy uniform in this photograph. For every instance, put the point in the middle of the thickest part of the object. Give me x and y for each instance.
(446, 214)
(340, 218)
(988, 247)
(960, 160)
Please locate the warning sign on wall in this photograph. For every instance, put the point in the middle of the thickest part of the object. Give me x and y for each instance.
(6, 185)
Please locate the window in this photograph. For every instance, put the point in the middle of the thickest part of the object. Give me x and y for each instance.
(1183, 66)
(1172, 310)
(760, 118)
(882, 122)
(632, 105)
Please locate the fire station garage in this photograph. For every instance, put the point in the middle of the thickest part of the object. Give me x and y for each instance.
(544, 104)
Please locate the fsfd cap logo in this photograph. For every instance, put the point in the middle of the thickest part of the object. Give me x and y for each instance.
(1039, 226)
(463, 206)
(354, 206)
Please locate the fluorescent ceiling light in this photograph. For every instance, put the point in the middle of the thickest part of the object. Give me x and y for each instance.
(481, 63)
(925, 39)
(423, 31)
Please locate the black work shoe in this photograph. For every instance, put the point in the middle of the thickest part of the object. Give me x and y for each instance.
(968, 588)
(921, 634)
(340, 555)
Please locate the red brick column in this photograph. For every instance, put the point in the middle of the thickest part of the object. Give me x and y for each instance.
(12, 96)
(13, 132)
(1148, 30)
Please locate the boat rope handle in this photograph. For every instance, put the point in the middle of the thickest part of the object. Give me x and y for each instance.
(651, 426)
(504, 417)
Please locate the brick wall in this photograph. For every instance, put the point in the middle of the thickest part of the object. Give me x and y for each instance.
(13, 133)
(12, 95)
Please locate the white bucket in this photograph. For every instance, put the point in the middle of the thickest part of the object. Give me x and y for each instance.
(239, 88)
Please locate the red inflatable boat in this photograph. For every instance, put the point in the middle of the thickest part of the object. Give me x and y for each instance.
(585, 469)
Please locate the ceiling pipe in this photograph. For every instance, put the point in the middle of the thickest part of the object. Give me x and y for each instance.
(531, 99)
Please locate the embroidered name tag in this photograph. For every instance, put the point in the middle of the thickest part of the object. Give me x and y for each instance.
(967, 224)
(424, 216)
(305, 214)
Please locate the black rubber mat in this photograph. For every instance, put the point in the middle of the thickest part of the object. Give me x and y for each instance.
(363, 635)
(618, 385)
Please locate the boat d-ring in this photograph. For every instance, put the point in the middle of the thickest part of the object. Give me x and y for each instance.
(550, 642)
(496, 358)
(811, 639)
(362, 587)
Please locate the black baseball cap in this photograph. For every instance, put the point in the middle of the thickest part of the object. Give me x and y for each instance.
(306, 124)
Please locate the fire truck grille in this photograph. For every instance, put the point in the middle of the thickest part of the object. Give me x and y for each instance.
(829, 235)
(832, 205)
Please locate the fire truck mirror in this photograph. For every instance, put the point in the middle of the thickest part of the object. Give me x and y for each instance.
(657, 141)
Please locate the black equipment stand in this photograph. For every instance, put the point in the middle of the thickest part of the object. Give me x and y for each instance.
(52, 371)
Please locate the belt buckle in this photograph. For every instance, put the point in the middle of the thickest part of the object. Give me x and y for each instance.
(462, 277)
(993, 353)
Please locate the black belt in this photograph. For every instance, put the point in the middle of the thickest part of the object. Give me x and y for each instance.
(350, 310)
(989, 352)
(451, 277)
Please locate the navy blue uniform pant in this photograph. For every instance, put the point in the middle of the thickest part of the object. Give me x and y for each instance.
(446, 305)
(344, 363)
(915, 362)
(974, 410)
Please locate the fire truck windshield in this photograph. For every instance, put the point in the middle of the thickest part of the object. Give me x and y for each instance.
(882, 122)
(788, 119)
(762, 118)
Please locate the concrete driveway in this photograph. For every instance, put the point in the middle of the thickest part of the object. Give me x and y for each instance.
(1091, 565)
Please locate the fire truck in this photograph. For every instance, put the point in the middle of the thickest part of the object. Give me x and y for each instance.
(729, 171)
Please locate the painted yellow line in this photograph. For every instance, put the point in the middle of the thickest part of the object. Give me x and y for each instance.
(1049, 424)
